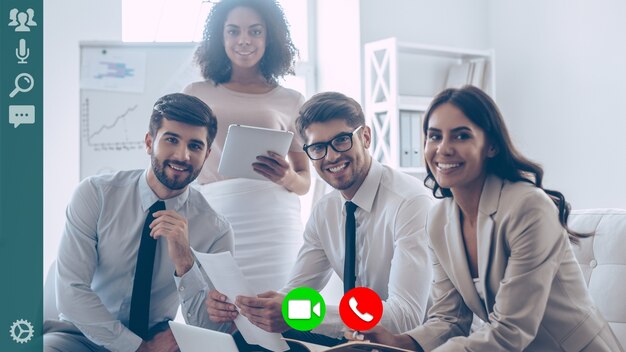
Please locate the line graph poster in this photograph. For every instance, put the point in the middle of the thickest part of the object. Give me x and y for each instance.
(114, 122)
(118, 130)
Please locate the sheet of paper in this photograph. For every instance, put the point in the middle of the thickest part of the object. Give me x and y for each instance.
(229, 280)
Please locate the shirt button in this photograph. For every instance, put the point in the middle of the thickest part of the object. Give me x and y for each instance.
(188, 315)
(593, 263)
(181, 289)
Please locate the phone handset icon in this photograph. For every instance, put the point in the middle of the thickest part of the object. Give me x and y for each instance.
(366, 317)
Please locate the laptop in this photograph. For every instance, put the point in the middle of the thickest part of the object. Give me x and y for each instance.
(194, 339)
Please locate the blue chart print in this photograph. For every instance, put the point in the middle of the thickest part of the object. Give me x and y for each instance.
(116, 70)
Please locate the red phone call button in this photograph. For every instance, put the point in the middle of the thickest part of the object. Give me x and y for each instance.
(360, 308)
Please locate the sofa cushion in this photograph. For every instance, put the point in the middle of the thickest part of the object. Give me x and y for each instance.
(602, 259)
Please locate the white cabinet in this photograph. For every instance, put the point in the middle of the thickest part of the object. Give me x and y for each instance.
(400, 81)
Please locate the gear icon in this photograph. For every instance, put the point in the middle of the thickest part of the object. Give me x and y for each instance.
(22, 331)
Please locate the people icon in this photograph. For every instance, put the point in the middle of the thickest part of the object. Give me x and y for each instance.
(31, 16)
(22, 21)
(13, 18)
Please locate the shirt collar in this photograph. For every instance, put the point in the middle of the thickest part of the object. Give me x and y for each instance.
(148, 197)
(365, 195)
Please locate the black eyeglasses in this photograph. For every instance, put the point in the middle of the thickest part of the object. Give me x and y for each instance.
(341, 143)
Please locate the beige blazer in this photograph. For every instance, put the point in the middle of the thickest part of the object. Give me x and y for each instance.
(535, 294)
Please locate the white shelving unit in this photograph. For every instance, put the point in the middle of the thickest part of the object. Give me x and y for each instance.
(400, 81)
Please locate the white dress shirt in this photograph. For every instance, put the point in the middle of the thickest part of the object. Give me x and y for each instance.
(391, 248)
(98, 255)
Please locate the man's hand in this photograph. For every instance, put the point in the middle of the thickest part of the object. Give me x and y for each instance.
(161, 342)
(173, 226)
(380, 335)
(264, 311)
(219, 310)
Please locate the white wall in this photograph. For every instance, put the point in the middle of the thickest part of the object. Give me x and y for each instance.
(460, 24)
(338, 47)
(561, 81)
(456, 23)
(67, 22)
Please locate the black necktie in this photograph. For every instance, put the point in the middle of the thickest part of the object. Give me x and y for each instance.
(140, 301)
(349, 273)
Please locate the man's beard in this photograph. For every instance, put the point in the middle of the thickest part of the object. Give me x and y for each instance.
(172, 183)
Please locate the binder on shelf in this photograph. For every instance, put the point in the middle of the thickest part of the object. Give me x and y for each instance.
(417, 158)
(405, 138)
(411, 139)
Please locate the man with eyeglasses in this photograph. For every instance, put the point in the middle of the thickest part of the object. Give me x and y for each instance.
(390, 246)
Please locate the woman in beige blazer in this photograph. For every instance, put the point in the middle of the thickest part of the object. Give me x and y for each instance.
(499, 244)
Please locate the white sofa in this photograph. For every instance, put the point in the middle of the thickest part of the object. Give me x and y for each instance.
(602, 259)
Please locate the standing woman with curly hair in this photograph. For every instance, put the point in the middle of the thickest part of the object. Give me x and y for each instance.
(246, 48)
(500, 244)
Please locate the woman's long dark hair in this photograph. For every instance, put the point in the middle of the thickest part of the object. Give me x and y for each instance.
(508, 163)
(280, 53)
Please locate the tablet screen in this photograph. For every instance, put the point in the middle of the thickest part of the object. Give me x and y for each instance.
(244, 143)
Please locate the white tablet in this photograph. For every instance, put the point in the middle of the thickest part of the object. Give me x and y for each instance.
(244, 143)
(194, 339)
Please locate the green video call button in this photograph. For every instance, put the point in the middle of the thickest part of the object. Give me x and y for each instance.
(304, 309)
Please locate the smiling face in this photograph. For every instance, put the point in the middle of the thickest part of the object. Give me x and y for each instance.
(177, 153)
(244, 37)
(456, 150)
(344, 171)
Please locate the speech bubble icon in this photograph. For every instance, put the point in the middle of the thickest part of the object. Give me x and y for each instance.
(21, 114)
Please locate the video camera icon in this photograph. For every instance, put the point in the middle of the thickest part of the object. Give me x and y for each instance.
(303, 309)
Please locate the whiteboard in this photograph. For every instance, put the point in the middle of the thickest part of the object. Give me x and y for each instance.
(119, 84)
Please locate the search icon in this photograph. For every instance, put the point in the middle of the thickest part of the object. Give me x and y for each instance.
(28, 84)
